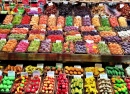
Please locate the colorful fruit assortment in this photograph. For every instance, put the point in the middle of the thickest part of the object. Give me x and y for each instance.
(19, 84)
(92, 48)
(36, 36)
(73, 70)
(90, 85)
(105, 86)
(62, 84)
(57, 47)
(2, 43)
(10, 45)
(96, 70)
(46, 46)
(34, 45)
(6, 84)
(33, 85)
(8, 19)
(43, 19)
(68, 47)
(17, 36)
(22, 46)
(119, 85)
(30, 69)
(19, 31)
(115, 71)
(26, 19)
(77, 86)
(57, 70)
(48, 85)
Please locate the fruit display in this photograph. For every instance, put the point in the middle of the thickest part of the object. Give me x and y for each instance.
(33, 85)
(30, 69)
(53, 28)
(4, 31)
(39, 27)
(52, 20)
(10, 45)
(114, 71)
(105, 86)
(107, 34)
(72, 33)
(54, 38)
(80, 47)
(77, 86)
(55, 32)
(57, 70)
(17, 36)
(103, 48)
(125, 47)
(92, 48)
(104, 28)
(73, 38)
(120, 28)
(96, 21)
(70, 28)
(36, 36)
(95, 38)
(8, 19)
(36, 32)
(23, 26)
(8, 26)
(2, 43)
(68, 47)
(43, 19)
(48, 85)
(57, 47)
(45, 46)
(34, 46)
(6, 84)
(90, 86)
(69, 21)
(113, 21)
(19, 31)
(105, 21)
(127, 81)
(87, 28)
(122, 21)
(17, 69)
(112, 39)
(125, 36)
(86, 21)
(26, 19)
(92, 33)
(17, 19)
(77, 21)
(96, 70)
(34, 20)
(19, 84)
(73, 70)
(128, 71)
(62, 84)
(61, 21)
(22, 46)
(119, 85)
(2, 36)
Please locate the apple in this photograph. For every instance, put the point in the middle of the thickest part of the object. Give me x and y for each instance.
(33, 90)
(28, 90)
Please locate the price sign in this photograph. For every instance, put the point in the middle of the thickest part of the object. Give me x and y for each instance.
(36, 72)
(21, 65)
(77, 76)
(11, 73)
(50, 73)
(119, 66)
(98, 65)
(40, 65)
(104, 76)
(0, 73)
(3, 39)
(36, 15)
(89, 41)
(59, 65)
(122, 5)
(24, 74)
(77, 34)
(83, 4)
(58, 41)
(89, 74)
(77, 66)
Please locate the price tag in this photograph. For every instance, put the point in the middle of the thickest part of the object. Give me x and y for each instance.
(77, 76)
(104, 16)
(78, 17)
(24, 74)
(58, 41)
(36, 40)
(77, 34)
(95, 30)
(52, 15)
(36, 72)
(65, 2)
(3, 39)
(89, 41)
(11, 73)
(36, 15)
(25, 41)
(98, 65)
(121, 5)
(119, 66)
(21, 65)
(104, 76)
(59, 65)
(86, 16)
(77, 66)
(50, 4)
(96, 15)
(89, 74)
(101, 4)
(83, 4)
(50, 73)
(40, 65)
(0, 73)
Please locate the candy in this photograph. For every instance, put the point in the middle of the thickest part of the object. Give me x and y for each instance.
(87, 28)
(8, 19)
(22, 46)
(43, 19)
(77, 21)
(10, 45)
(80, 47)
(113, 21)
(86, 21)
(105, 21)
(17, 36)
(26, 19)
(34, 20)
(17, 19)
(68, 47)
(107, 34)
(36, 36)
(19, 31)
(96, 21)
(2, 43)
(122, 21)
(57, 47)
(53, 38)
(34, 46)
(61, 21)
(95, 38)
(73, 38)
(69, 21)
(52, 20)
(115, 49)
